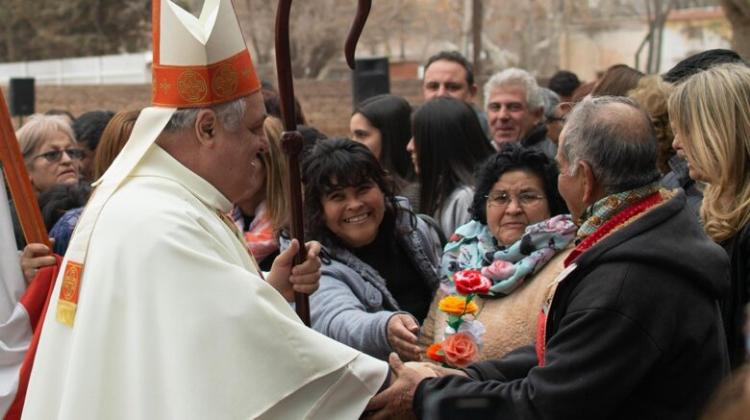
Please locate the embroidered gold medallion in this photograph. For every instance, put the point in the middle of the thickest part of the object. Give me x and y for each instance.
(225, 81)
(191, 86)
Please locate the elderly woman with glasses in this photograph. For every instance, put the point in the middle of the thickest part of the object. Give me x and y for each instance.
(51, 155)
(517, 239)
(50, 151)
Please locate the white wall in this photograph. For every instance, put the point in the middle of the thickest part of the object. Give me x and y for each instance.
(586, 50)
(102, 70)
(682, 39)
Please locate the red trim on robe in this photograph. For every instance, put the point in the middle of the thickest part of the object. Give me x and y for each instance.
(35, 300)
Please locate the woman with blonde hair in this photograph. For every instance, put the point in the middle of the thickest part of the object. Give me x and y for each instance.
(261, 212)
(274, 161)
(711, 122)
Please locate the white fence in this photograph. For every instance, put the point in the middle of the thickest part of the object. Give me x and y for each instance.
(102, 70)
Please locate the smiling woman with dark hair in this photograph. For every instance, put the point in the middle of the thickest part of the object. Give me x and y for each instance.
(518, 237)
(380, 261)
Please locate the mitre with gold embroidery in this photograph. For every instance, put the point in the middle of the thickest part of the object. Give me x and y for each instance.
(199, 61)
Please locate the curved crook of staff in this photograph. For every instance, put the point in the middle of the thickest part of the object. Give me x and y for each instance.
(363, 10)
(291, 139)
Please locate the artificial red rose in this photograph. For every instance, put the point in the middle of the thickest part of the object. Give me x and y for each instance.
(471, 281)
(460, 350)
(434, 352)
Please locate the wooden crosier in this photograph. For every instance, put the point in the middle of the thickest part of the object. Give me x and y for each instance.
(19, 183)
(291, 139)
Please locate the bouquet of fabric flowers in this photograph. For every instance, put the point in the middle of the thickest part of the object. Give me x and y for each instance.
(463, 334)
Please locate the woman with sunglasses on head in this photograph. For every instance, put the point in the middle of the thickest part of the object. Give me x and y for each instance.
(519, 234)
(380, 261)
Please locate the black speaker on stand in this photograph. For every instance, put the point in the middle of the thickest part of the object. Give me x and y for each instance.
(21, 97)
(370, 78)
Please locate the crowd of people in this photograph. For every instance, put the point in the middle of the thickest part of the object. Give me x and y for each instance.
(574, 250)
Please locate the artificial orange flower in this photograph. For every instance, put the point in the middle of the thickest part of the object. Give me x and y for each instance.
(434, 352)
(460, 350)
(456, 305)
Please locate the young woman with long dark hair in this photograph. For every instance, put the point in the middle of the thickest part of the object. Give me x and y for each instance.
(448, 144)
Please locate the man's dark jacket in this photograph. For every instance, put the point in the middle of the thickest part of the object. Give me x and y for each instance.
(634, 332)
(537, 139)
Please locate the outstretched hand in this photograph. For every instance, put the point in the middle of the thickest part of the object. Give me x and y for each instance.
(396, 401)
(303, 278)
(402, 332)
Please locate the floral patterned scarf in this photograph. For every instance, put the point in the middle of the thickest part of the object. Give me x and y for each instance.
(474, 246)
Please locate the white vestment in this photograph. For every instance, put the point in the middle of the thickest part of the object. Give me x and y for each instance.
(15, 325)
(173, 321)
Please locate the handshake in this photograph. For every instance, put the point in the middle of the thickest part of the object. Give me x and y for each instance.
(395, 402)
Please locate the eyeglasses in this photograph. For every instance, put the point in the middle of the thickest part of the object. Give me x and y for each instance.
(55, 155)
(503, 198)
(556, 119)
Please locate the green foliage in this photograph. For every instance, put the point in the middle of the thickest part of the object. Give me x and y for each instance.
(46, 29)
(455, 321)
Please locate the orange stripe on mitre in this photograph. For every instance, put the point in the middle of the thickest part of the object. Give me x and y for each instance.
(155, 29)
(200, 86)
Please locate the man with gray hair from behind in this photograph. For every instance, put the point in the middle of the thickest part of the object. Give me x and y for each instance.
(515, 110)
(631, 328)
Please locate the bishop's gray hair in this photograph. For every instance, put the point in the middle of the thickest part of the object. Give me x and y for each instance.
(229, 113)
(619, 146)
